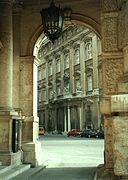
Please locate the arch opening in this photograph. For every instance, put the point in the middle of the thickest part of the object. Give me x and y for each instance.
(58, 114)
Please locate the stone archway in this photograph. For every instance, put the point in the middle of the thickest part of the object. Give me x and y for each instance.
(112, 54)
(114, 35)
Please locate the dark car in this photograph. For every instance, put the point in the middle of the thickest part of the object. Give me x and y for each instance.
(100, 134)
(89, 133)
(74, 132)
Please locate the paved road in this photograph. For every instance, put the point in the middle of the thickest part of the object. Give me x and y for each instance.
(63, 151)
(67, 158)
(75, 173)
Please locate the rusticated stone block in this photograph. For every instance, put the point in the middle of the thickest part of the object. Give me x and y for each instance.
(122, 87)
(119, 103)
(105, 107)
(120, 151)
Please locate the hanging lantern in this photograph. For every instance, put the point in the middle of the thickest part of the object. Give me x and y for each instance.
(52, 20)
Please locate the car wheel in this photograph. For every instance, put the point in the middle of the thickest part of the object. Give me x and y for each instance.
(89, 136)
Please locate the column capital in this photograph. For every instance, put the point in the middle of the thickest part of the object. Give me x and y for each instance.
(26, 60)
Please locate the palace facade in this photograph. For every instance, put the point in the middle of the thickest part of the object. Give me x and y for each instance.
(69, 81)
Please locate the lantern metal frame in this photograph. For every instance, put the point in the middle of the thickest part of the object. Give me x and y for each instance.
(52, 20)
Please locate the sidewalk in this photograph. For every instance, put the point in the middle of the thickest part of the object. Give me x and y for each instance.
(75, 173)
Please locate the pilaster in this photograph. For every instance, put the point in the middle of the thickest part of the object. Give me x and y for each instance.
(28, 103)
(71, 65)
(112, 71)
(10, 121)
(62, 72)
(6, 55)
(69, 118)
(82, 66)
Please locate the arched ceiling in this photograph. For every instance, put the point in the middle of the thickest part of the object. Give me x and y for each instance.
(84, 12)
(89, 8)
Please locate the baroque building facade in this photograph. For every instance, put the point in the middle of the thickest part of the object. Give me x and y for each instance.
(69, 79)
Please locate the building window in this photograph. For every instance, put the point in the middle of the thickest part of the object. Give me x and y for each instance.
(89, 83)
(66, 61)
(50, 69)
(77, 56)
(88, 50)
(58, 65)
(58, 90)
(78, 85)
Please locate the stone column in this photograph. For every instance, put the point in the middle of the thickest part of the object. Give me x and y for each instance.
(7, 114)
(80, 115)
(6, 55)
(95, 62)
(54, 76)
(112, 68)
(69, 120)
(28, 103)
(62, 71)
(47, 81)
(71, 65)
(16, 58)
(65, 120)
(82, 66)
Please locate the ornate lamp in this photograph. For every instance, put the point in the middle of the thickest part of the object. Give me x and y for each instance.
(52, 20)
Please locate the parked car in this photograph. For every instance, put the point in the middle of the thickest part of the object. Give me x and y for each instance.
(89, 133)
(74, 132)
(100, 134)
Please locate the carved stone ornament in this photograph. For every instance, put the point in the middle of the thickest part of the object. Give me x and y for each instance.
(66, 77)
(110, 34)
(111, 5)
(121, 29)
(112, 72)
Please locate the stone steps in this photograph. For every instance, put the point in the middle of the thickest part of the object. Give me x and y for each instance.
(9, 172)
(29, 173)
